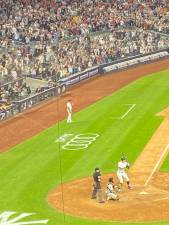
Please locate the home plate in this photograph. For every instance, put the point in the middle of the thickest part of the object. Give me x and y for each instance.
(143, 193)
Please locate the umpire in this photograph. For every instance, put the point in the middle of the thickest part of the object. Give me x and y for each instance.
(97, 186)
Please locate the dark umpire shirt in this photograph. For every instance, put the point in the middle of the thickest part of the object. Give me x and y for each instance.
(97, 179)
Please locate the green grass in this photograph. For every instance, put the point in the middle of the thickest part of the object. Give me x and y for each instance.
(165, 166)
(33, 168)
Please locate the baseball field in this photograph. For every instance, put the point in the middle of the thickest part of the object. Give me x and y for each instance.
(46, 178)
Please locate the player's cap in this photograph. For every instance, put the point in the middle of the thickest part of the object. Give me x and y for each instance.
(97, 169)
(111, 179)
(123, 158)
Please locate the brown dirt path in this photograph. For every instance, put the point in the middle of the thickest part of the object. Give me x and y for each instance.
(134, 205)
(32, 122)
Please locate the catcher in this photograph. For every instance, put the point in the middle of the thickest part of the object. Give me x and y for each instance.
(111, 193)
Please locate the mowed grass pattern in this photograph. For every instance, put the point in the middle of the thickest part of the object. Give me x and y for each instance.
(32, 169)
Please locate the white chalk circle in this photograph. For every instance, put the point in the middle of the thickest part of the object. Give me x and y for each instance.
(80, 141)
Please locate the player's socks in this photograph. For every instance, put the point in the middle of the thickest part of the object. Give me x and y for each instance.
(128, 185)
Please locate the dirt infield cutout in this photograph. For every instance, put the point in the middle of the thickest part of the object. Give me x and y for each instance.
(147, 201)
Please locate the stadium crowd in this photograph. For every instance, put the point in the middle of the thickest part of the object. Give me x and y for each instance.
(44, 39)
(50, 20)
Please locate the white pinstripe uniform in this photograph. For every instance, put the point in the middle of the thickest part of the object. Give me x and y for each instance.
(121, 173)
(69, 109)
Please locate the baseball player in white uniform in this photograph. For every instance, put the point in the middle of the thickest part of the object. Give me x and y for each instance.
(121, 173)
(69, 109)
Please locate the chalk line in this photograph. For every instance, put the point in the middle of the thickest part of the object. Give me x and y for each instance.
(126, 113)
(157, 164)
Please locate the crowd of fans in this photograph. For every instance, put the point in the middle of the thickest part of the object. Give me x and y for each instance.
(51, 39)
(50, 20)
(75, 55)
(14, 91)
(5, 109)
(11, 92)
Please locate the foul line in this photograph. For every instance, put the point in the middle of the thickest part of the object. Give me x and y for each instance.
(157, 164)
(125, 114)
(161, 199)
